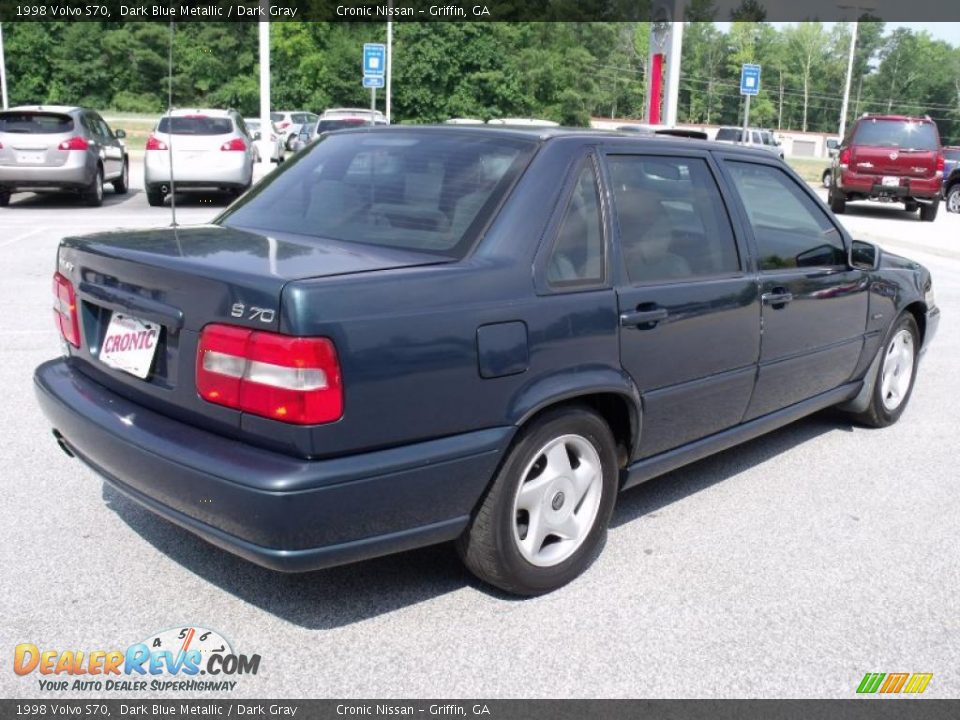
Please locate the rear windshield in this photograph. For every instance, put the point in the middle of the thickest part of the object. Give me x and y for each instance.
(276, 117)
(904, 134)
(197, 125)
(728, 134)
(35, 123)
(328, 125)
(429, 192)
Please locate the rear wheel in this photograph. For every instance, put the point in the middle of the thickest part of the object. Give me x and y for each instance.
(4, 198)
(122, 183)
(911, 206)
(928, 212)
(893, 383)
(546, 513)
(953, 199)
(825, 180)
(93, 194)
(155, 196)
(838, 202)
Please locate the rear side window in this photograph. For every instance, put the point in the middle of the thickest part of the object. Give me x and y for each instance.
(429, 192)
(952, 155)
(577, 257)
(673, 223)
(906, 134)
(196, 125)
(728, 134)
(791, 230)
(35, 123)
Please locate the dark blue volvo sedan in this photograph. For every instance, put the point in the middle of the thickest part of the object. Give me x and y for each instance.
(418, 335)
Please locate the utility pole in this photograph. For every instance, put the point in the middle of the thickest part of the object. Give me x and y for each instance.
(846, 88)
(3, 71)
(266, 124)
(389, 61)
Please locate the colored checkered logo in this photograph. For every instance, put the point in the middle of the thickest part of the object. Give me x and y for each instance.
(894, 683)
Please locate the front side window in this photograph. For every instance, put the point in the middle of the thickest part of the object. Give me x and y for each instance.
(790, 229)
(577, 257)
(673, 223)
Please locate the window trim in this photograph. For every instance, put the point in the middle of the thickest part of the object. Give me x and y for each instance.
(552, 234)
(744, 256)
(804, 190)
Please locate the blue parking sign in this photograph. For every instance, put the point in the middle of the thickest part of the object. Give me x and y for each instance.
(750, 79)
(374, 59)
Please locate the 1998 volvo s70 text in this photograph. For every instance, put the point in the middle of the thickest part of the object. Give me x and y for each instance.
(417, 335)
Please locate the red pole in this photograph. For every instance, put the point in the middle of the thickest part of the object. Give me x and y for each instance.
(656, 75)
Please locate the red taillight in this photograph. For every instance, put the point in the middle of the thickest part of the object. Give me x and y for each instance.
(65, 310)
(941, 163)
(74, 143)
(845, 156)
(154, 144)
(283, 125)
(235, 144)
(291, 379)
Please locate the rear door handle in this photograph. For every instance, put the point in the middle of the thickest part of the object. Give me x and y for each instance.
(648, 318)
(777, 299)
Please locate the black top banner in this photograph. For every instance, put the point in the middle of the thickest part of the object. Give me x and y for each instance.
(476, 10)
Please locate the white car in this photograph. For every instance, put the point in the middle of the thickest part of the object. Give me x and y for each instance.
(211, 150)
(291, 122)
(278, 148)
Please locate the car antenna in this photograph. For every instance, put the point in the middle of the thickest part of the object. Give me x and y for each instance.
(173, 189)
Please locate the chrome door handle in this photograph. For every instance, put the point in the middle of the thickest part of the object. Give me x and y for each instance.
(649, 318)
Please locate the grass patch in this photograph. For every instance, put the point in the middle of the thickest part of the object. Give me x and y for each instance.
(810, 169)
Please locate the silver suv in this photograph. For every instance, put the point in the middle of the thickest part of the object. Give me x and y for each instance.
(60, 148)
(756, 137)
(212, 150)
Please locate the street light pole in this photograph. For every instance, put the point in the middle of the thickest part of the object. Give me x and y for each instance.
(266, 124)
(389, 62)
(846, 89)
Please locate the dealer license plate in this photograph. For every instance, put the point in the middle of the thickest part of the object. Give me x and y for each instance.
(31, 158)
(130, 344)
(889, 181)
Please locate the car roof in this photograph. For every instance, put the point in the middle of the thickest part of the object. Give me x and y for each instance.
(209, 112)
(546, 134)
(901, 118)
(45, 108)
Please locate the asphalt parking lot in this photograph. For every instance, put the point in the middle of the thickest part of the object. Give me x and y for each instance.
(786, 567)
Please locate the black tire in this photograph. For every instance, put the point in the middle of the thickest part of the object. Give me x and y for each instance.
(155, 196)
(878, 414)
(928, 212)
(826, 179)
(93, 194)
(4, 198)
(911, 206)
(952, 199)
(290, 141)
(838, 202)
(489, 546)
(122, 184)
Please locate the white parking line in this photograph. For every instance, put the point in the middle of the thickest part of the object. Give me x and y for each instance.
(18, 238)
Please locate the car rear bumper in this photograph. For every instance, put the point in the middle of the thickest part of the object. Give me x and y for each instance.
(871, 185)
(223, 169)
(285, 513)
(75, 174)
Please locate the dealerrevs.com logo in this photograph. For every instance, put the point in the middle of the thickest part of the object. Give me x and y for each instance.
(189, 659)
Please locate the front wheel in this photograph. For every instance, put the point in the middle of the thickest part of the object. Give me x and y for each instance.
(546, 513)
(4, 198)
(122, 184)
(894, 380)
(953, 199)
(155, 196)
(825, 180)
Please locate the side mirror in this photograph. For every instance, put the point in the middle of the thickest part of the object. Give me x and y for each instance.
(864, 255)
(119, 134)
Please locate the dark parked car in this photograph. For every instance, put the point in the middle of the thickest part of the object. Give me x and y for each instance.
(415, 335)
(951, 178)
(890, 158)
(56, 148)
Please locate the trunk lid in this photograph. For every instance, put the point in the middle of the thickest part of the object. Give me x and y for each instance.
(183, 279)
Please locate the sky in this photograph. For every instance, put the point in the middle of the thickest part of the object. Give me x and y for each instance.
(948, 31)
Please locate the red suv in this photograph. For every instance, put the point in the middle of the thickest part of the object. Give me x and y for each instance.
(891, 158)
